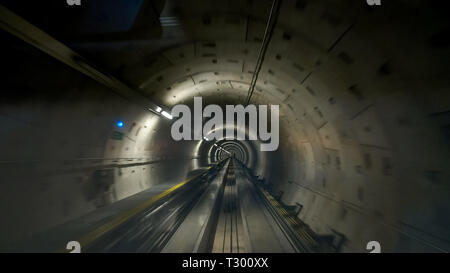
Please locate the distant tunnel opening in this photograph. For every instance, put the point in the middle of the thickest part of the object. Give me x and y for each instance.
(363, 144)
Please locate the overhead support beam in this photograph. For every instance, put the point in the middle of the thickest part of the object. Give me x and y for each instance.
(22, 29)
(271, 21)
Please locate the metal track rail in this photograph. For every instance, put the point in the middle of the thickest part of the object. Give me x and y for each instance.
(229, 230)
(151, 229)
(295, 231)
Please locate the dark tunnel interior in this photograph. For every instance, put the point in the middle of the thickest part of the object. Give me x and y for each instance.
(88, 154)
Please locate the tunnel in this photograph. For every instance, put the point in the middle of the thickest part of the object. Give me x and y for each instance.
(87, 151)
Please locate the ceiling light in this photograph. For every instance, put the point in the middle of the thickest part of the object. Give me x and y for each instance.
(167, 115)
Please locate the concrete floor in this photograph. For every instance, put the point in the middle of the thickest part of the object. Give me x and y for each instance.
(225, 216)
(364, 140)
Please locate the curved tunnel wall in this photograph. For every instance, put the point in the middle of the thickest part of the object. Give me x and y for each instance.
(360, 148)
(62, 153)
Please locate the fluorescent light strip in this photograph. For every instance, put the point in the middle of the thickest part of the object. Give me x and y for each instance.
(167, 115)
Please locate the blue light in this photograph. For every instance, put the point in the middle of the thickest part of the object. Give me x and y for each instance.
(119, 124)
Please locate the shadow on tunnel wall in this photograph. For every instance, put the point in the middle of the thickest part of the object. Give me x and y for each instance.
(364, 127)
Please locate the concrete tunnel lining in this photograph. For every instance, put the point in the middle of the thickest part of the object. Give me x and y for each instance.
(352, 114)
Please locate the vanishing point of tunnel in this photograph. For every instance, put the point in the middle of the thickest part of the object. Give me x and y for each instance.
(357, 123)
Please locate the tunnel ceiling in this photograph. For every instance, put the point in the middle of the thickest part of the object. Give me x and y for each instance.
(360, 91)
